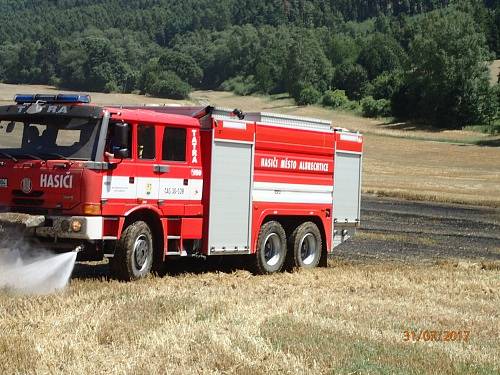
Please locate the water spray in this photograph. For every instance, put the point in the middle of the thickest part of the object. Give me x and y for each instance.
(29, 269)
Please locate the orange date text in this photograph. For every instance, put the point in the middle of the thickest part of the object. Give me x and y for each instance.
(442, 336)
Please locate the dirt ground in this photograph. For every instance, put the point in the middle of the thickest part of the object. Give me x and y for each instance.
(425, 233)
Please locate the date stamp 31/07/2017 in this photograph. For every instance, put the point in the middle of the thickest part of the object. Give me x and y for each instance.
(441, 336)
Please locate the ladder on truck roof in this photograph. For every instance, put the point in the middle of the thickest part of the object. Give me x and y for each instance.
(220, 113)
(276, 119)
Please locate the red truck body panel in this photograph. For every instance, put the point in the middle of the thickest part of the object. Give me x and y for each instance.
(290, 169)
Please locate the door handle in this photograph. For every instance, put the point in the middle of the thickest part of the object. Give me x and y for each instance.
(158, 168)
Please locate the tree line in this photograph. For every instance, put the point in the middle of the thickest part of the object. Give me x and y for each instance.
(417, 59)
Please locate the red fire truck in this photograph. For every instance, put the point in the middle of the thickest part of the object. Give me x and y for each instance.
(141, 184)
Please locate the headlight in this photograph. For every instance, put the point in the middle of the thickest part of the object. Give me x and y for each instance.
(76, 225)
(91, 209)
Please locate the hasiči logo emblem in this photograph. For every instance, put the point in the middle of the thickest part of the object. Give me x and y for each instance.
(26, 185)
(56, 181)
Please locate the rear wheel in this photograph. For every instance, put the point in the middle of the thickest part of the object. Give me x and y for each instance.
(271, 248)
(306, 245)
(134, 253)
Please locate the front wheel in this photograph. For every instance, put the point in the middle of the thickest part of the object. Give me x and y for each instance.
(306, 245)
(134, 253)
(271, 248)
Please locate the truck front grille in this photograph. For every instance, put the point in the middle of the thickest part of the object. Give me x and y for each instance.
(30, 210)
(34, 198)
(28, 202)
(33, 194)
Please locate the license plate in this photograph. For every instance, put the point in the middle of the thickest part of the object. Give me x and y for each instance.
(3, 182)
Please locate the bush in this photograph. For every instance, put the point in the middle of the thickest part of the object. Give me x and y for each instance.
(352, 78)
(169, 85)
(385, 85)
(375, 108)
(111, 87)
(308, 95)
(240, 85)
(335, 99)
(352, 105)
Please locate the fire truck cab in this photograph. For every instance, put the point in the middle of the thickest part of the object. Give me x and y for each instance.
(141, 184)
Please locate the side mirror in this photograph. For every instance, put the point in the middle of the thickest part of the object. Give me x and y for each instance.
(121, 136)
(121, 153)
(10, 127)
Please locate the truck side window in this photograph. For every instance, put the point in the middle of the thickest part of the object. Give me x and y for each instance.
(174, 144)
(146, 142)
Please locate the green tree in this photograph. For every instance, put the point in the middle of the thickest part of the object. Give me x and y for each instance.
(308, 95)
(448, 75)
(386, 85)
(342, 49)
(271, 59)
(381, 53)
(307, 67)
(335, 99)
(181, 64)
(352, 79)
(169, 85)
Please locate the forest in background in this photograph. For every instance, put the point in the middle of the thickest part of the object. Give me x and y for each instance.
(424, 60)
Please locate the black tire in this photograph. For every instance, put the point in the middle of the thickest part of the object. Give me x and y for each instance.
(271, 248)
(305, 245)
(133, 257)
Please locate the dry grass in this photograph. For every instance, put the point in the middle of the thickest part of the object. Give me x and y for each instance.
(434, 171)
(343, 319)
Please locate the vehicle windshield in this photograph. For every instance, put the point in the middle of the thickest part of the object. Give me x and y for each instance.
(49, 138)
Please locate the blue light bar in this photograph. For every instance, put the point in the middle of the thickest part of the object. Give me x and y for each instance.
(47, 98)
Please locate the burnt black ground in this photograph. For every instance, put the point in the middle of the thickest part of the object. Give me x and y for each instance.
(391, 231)
(396, 230)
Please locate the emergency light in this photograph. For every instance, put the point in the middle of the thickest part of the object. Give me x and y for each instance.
(47, 98)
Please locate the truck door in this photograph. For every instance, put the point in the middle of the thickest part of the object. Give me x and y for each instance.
(146, 166)
(179, 190)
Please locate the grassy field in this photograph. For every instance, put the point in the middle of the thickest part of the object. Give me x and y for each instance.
(349, 318)
(345, 319)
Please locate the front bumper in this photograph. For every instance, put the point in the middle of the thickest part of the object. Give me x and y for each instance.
(58, 227)
(91, 227)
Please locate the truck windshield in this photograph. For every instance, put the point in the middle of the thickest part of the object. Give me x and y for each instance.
(49, 138)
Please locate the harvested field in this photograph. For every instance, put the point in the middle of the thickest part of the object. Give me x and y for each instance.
(348, 318)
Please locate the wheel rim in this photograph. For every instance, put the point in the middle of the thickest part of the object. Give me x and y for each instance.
(141, 252)
(272, 249)
(308, 249)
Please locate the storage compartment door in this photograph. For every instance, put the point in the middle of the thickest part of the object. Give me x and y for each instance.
(230, 208)
(347, 188)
